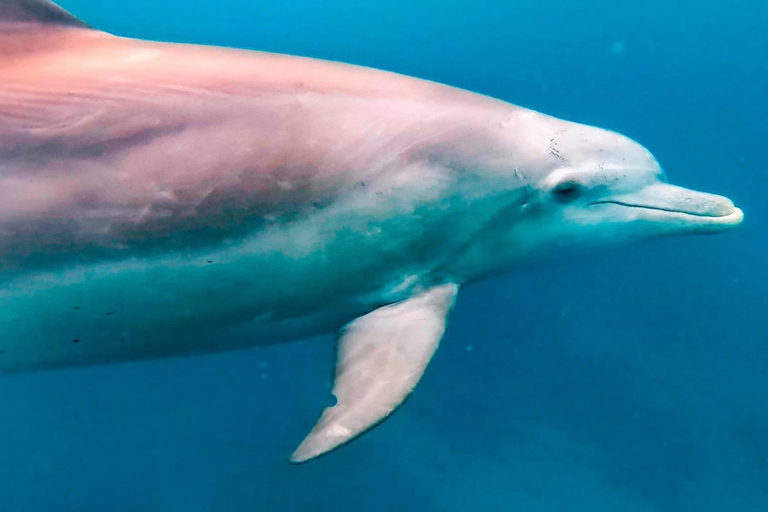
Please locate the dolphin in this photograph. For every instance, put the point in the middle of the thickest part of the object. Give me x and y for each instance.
(161, 200)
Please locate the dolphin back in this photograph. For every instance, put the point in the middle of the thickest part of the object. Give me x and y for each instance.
(37, 11)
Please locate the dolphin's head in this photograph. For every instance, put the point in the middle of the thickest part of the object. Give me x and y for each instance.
(587, 188)
(609, 189)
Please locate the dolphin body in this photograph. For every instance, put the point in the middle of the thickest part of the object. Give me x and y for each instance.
(165, 199)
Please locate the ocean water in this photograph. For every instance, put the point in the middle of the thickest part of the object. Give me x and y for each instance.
(634, 379)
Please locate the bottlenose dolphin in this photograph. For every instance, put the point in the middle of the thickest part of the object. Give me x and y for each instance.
(165, 199)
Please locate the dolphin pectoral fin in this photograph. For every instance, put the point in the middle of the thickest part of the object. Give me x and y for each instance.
(381, 358)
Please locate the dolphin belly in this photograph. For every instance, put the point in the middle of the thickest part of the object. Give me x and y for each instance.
(285, 280)
(157, 307)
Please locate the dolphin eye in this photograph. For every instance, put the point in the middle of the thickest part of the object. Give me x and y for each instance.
(567, 192)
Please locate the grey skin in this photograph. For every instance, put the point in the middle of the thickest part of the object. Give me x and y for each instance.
(161, 200)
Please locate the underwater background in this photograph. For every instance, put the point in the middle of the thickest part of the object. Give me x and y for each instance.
(629, 380)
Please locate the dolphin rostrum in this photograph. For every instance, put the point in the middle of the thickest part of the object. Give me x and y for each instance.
(166, 199)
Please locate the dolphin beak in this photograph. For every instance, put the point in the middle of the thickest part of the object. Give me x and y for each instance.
(679, 209)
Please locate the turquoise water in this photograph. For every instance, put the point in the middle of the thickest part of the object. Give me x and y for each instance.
(631, 380)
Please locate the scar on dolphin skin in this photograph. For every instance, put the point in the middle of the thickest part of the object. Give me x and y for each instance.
(553, 149)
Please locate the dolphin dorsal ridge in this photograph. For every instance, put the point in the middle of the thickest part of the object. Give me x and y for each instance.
(37, 11)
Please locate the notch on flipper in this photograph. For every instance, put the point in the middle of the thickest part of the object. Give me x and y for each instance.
(37, 11)
(381, 357)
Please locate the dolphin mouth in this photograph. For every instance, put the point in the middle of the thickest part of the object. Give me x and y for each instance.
(679, 207)
(735, 212)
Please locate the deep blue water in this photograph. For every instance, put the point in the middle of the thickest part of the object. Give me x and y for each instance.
(632, 380)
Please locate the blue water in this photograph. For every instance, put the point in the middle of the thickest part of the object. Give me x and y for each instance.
(632, 380)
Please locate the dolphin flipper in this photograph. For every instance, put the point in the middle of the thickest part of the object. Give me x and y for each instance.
(381, 358)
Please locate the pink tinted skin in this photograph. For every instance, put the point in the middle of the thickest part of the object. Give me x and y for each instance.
(209, 198)
(162, 199)
(106, 142)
